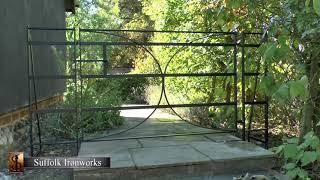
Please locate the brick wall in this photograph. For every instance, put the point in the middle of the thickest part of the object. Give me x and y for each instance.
(23, 112)
(14, 128)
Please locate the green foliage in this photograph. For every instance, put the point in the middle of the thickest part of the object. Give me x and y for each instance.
(316, 6)
(299, 87)
(270, 51)
(299, 157)
(288, 53)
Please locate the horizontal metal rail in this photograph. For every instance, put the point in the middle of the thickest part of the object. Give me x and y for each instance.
(252, 74)
(157, 31)
(137, 44)
(155, 106)
(70, 110)
(51, 29)
(256, 102)
(52, 77)
(155, 75)
(37, 77)
(91, 60)
(144, 31)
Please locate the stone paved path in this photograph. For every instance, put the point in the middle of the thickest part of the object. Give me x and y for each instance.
(162, 152)
(192, 157)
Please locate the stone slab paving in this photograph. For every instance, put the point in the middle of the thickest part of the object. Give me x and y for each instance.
(117, 150)
(171, 141)
(231, 150)
(166, 155)
(222, 137)
(158, 152)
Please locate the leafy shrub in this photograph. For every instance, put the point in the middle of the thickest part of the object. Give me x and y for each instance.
(300, 158)
(96, 93)
(132, 90)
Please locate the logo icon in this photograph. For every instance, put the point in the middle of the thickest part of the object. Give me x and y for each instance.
(15, 162)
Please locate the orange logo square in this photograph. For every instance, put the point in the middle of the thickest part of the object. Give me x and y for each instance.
(15, 162)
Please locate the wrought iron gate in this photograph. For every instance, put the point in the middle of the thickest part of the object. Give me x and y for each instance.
(237, 43)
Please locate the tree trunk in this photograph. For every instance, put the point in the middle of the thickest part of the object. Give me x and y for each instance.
(314, 88)
(310, 111)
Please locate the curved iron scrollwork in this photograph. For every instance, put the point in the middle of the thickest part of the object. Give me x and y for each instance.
(163, 87)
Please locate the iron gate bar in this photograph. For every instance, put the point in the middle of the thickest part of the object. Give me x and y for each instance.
(51, 29)
(243, 97)
(235, 82)
(37, 77)
(252, 74)
(154, 44)
(76, 92)
(123, 43)
(266, 107)
(256, 102)
(81, 84)
(156, 106)
(29, 96)
(37, 43)
(32, 71)
(58, 110)
(157, 31)
(91, 60)
(155, 75)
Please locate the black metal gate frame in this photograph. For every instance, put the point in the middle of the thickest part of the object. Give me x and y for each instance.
(79, 109)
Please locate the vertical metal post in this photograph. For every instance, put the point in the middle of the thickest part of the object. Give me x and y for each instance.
(35, 93)
(104, 57)
(81, 83)
(266, 125)
(266, 108)
(29, 96)
(243, 88)
(76, 88)
(235, 51)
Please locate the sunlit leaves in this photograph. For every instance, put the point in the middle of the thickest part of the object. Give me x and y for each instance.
(298, 88)
(286, 91)
(267, 85)
(270, 51)
(316, 6)
(282, 94)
